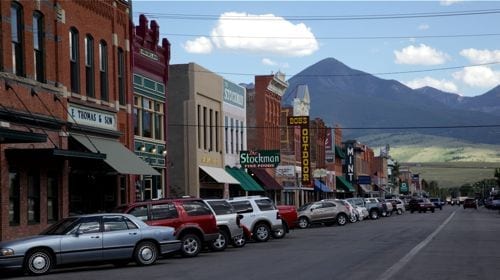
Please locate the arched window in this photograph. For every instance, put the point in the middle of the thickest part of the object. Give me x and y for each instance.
(16, 29)
(89, 66)
(39, 46)
(74, 60)
(103, 70)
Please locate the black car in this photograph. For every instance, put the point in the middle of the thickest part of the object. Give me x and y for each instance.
(470, 203)
(421, 205)
(437, 202)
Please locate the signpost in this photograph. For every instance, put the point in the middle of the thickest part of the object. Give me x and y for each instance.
(305, 155)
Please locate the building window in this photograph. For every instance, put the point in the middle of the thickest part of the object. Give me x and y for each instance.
(205, 128)
(199, 126)
(14, 198)
(211, 130)
(226, 134)
(39, 47)
(121, 77)
(136, 116)
(148, 118)
(89, 66)
(16, 28)
(103, 70)
(52, 197)
(33, 198)
(74, 58)
(242, 137)
(237, 136)
(217, 131)
(231, 136)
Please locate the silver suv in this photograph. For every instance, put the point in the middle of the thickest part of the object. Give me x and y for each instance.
(260, 216)
(327, 212)
(228, 222)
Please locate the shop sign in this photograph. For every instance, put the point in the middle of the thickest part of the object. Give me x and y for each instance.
(350, 163)
(403, 188)
(285, 170)
(149, 54)
(91, 117)
(233, 94)
(260, 159)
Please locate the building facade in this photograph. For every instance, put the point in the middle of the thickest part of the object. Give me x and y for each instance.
(66, 103)
(150, 116)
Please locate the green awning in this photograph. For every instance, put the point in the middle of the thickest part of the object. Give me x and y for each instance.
(344, 184)
(339, 152)
(8, 135)
(246, 181)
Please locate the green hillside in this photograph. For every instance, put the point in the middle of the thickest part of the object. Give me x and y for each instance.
(448, 161)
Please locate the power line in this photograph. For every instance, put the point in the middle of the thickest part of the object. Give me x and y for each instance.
(322, 18)
(336, 37)
(358, 72)
(347, 128)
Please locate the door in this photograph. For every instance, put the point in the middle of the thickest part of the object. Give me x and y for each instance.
(83, 243)
(119, 237)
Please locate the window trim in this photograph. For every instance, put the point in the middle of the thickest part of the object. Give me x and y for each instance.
(17, 39)
(39, 52)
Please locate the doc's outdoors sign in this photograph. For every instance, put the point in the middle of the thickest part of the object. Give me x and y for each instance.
(305, 156)
(260, 159)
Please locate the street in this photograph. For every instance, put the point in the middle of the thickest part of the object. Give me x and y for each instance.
(453, 243)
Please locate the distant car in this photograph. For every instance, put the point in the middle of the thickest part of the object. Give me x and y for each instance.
(327, 212)
(455, 201)
(437, 202)
(421, 205)
(495, 201)
(114, 238)
(398, 205)
(470, 203)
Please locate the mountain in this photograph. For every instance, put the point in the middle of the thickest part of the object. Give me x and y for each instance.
(363, 104)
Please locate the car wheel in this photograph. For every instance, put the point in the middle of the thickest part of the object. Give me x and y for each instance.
(432, 210)
(303, 222)
(191, 245)
(341, 219)
(400, 212)
(353, 219)
(145, 253)
(38, 262)
(261, 232)
(220, 244)
(239, 241)
(373, 214)
(280, 233)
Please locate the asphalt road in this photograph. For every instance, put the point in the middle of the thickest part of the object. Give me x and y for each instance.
(454, 243)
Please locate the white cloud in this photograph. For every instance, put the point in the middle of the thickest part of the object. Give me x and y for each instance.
(449, 2)
(267, 61)
(263, 34)
(420, 55)
(200, 45)
(443, 85)
(481, 56)
(478, 76)
(423, 26)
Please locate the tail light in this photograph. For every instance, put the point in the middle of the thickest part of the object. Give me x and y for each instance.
(238, 219)
(278, 216)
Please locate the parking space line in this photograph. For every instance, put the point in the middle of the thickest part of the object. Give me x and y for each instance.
(407, 258)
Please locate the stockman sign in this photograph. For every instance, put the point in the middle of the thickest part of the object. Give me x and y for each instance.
(260, 159)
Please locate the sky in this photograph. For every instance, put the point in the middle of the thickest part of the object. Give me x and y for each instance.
(450, 45)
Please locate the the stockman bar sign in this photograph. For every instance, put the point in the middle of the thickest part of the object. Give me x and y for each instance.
(260, 159)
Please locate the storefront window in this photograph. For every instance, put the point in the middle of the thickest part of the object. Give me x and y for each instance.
(52, 197)
(33, 198)
(14, 198)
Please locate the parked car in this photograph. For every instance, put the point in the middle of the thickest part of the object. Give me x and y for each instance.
(470, 203)
(327, 212)
(421, 205)
(495, 201)
(354, 215)
(374, 208)
(455, 201)
(194, 222)
(259, 215)
(437, 202)
(387, 206)
(289, 217)
(398, 205)
(228, 222)
(114, 238)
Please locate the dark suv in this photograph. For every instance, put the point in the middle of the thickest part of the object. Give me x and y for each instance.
(194, 222)
(421, 205)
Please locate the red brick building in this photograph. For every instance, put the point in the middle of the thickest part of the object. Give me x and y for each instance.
(65, 113)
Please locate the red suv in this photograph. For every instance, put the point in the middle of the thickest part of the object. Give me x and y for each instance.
(194, 222)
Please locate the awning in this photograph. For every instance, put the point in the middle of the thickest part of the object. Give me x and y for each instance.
(17, 136)
(50, 153)
(344, 184)
(266, 180)
(320, 186)
(118, 156)
(338, 152)
(365, 188)
(246, 181)
(219, 174)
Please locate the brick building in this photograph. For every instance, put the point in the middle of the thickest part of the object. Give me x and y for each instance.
(65, 111)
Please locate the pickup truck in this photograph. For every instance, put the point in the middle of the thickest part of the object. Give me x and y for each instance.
(374, 207)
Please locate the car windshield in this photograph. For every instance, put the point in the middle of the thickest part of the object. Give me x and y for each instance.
(304, 207)
(221, 207)
(61, 227)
